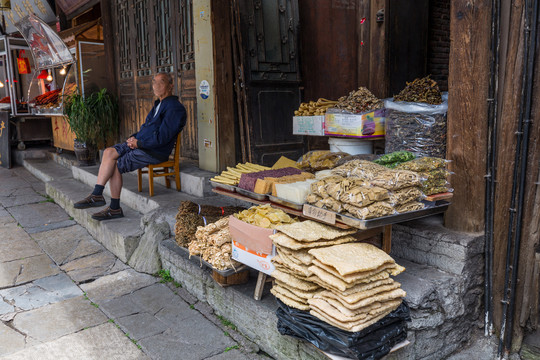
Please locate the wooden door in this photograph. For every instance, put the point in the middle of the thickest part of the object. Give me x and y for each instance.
(153, 36)
(269, 32)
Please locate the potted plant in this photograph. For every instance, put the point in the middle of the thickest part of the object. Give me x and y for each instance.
(93, 119)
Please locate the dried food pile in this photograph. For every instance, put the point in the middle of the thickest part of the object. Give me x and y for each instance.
(213, 244)
(320, 160)
(433, 172)
(314, 108)
(366, 190)
(264, 216)
(424, 90)
(416, 120)
(359, 101)
(323, 270)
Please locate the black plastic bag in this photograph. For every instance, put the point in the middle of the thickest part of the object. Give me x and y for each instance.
(371, 343)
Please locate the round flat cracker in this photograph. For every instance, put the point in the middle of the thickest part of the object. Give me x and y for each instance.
(285, 292)
(352, 258)
(333, 282)
(283, 240)
(356, 297)
(300, 293)
(290, 302)
(309, 230)
(380, 297)
(293, 281)
(353, 278)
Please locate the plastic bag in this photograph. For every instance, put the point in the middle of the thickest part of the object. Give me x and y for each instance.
(416, 127)
(392, 160)
(371, 343)
(320, 160)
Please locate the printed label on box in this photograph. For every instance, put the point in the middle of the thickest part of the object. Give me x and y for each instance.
(365, 125)
(308, 125)
(255, 260)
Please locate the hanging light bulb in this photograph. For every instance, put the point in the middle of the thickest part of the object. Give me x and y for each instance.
(49, 76)
(1, 84)
(63, 71)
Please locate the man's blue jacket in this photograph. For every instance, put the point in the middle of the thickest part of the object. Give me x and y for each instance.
(158, 133)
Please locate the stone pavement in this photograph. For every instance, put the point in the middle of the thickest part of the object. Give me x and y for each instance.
(64, 296)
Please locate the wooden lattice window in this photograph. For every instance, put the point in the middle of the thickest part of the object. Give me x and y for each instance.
(143, 46)
(124, 49)
(164, 49)
(187, 60)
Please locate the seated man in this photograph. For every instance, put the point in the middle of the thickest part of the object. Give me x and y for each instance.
(151, 145)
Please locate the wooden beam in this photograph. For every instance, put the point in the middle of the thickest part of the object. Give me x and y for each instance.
(378, 50)
(223, 80)
(467, 112)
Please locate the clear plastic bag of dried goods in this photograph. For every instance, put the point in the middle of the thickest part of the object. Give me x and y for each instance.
(320, 160)
(371, 343)
(416, 127)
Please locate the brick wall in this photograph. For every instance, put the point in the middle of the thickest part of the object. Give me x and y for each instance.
(439, 42)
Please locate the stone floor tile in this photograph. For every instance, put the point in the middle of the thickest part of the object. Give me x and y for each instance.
(191, 344)
(173, 315)
(141, 325)
(155, 297)
(5, 307)
(67, 243)
(21, 271)
(36, 215)
(99, 342)
(28, 197)
(89, 267)
(50, 226)
(60, 319)
(16, 244)
(118, 266)
(234, 354)
(116, 285)
(119, 307)
(10, 340)
(41, 292)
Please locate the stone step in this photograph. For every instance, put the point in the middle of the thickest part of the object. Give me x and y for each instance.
(427, 241)
(47, 170)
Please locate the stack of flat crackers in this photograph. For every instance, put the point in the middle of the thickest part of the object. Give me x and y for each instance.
(292, 283)
(358, 290)
(323, 270)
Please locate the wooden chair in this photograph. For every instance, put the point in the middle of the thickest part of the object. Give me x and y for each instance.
(162, 169)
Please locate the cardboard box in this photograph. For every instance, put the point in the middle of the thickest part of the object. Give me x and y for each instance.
(308, 125)
(257, 261)
(252, 237)
(366, 125)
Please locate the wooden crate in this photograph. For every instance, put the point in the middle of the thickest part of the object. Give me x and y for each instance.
(238, 278)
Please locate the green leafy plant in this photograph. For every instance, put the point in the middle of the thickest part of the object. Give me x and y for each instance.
(93, 118)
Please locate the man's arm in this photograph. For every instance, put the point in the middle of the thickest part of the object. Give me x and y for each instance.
(173, 122)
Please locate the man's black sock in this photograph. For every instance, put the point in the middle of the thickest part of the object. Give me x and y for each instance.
(98, 190)
(115, 204)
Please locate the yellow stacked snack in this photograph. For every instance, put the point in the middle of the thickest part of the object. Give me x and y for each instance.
(232, 175)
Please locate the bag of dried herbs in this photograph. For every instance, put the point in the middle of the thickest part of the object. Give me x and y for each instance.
(392, 160)
(416, 120)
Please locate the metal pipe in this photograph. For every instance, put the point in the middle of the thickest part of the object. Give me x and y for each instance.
(526, 118)
(491, 168)
(519, 159)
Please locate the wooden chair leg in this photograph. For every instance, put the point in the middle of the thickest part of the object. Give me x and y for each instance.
(151, 181)
(177, 178)
(139, 180)
(167, 180)
(259, 287)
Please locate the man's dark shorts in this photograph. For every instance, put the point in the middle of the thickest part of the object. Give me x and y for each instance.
(132, 159)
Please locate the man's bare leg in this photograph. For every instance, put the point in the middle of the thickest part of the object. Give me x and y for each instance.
(108, 167)
(115, 183)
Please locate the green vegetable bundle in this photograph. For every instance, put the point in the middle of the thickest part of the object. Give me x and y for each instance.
(392, 160)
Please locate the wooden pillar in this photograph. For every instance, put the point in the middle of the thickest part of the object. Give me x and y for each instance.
(223, 81)
(108, 40)
(468, 82)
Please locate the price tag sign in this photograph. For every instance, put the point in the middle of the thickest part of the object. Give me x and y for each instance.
(319, 214)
